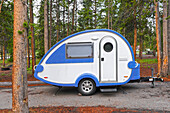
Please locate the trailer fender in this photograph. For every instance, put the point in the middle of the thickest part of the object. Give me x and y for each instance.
(87, 75)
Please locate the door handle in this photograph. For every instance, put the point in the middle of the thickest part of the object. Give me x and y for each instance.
(102, 59)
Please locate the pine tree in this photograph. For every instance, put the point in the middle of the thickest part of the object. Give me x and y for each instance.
(19, 72)
(46, 26)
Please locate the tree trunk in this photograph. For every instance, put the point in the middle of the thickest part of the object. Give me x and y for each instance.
(3, 55)
(135, 29)
(1, 52)
(45, 26)
(1, 5)
(76, 16)
(50, 23)
(141, 47)
(165, 40)
(168, 37)
(58, 18)
(63, 18)
(95, 19)
(111, 23)
(108, 14)
(19, 71)
(68, 19)
(158, 37)
(32, 37)
(28, 49)
(73, 16)
(28, 53)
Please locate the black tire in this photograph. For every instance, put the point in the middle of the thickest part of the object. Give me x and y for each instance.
(87, 87)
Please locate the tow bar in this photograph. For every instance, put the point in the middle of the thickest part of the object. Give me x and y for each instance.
(149, 79)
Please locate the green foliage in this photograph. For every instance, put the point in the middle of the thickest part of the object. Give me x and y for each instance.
(29, 37)
(20, 32)
(6, 27)
(149, 61)
(121, 14)
(168, 17)
(25, 24)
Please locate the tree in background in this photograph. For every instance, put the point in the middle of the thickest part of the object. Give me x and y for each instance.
(51, 20)
(165, 40)
(6, 30)
(39, 32)
(46, 26)
(32, 36)
(135, 29)
(130, 18)
(74, 4)
(19, 71)
(158, 37)
(168, 23)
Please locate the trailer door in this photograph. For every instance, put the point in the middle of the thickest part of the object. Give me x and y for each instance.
(108, 59)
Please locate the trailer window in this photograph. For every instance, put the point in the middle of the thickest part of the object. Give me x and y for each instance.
(79, 50)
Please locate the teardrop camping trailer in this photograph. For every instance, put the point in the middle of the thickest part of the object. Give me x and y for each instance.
(89, 59)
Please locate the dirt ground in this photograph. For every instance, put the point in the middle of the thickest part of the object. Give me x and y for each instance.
(137, 97)
(98, 109)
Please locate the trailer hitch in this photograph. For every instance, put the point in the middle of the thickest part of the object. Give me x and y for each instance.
(149, 79)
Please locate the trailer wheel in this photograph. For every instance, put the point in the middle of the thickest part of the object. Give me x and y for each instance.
(87, 87)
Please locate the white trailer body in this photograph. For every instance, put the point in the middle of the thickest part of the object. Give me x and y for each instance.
(101, 55)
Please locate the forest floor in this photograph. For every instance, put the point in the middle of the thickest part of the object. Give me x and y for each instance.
(139, 98)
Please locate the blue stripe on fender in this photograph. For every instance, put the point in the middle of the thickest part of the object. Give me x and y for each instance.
(86, 75)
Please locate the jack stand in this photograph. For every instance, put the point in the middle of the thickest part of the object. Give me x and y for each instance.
(60, 87)
(124, 92)
(153, 82)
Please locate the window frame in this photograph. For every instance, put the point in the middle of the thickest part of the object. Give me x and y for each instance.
(79, 44)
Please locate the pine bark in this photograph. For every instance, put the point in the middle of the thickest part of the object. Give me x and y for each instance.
(58, 18)
(108, 22)
(111, 23)
(73, 16)
(158, 37)
(1, 5)
(50, 23)
(46, 26)
(3, 55)
(19, 72)
(165, 40)
(63, 18)
(32, 37)
(68, 18)
(135, 29)
(1, 52)
(168, 23)
(95, 17)
(141, 47)
(76, 16)
(28, 54)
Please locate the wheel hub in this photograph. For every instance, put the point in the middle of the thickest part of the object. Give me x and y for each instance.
(87, 86)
